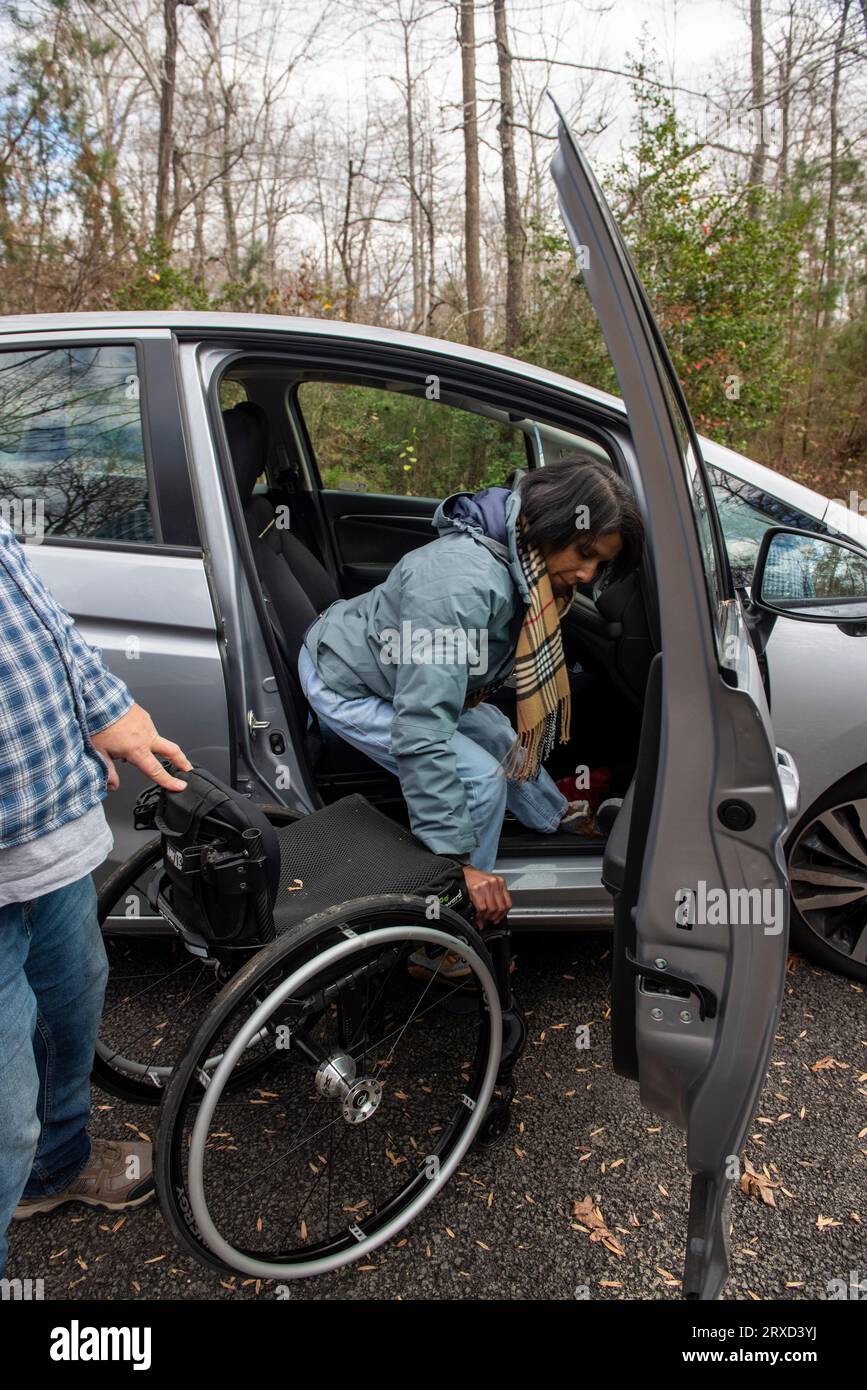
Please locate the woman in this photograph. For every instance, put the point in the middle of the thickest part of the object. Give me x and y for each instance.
(402, 672)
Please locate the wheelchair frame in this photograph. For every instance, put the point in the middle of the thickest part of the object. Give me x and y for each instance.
(188, 1213)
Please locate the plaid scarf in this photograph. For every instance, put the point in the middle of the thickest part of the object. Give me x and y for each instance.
(542, 683)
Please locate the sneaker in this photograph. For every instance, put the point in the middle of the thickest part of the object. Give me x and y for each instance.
(103, 1183)
(449, 967)
(578, 819)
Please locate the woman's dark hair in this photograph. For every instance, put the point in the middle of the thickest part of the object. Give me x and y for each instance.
(551, 497)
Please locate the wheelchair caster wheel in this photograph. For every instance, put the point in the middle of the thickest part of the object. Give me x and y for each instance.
(495, 1125)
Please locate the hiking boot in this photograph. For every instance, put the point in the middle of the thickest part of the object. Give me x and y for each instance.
(447, 968)
(104, 1182)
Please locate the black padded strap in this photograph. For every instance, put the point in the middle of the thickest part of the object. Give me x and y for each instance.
(181, 812)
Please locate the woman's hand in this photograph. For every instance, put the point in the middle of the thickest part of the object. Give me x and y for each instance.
(488, 894)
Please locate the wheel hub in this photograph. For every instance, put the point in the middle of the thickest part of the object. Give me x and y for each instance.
(362, 1101)
(335, 1076)
(359, 1097)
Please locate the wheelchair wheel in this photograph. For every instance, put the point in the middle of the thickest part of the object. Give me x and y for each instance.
(371, 1095)
(157, 989)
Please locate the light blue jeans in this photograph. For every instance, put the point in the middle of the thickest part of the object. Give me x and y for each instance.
(483, 736)
(53, 972)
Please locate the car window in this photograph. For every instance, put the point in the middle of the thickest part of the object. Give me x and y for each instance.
(72, 456)
(746, 512)
(232, 393)
(710, 537)
(368, 439)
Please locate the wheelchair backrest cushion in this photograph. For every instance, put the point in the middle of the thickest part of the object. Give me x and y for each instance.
(200, 813)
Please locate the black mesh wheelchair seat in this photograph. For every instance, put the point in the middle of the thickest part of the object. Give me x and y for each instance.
(351, 850)
(232, 881)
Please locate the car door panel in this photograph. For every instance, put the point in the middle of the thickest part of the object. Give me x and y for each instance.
(372, 531)
(151, 616)
(694, 1006)
(121, 545)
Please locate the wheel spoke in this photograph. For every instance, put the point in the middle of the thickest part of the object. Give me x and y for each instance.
(828, 877)
(859, 946)
(836, 826)
(196, 989)
(384, 1053)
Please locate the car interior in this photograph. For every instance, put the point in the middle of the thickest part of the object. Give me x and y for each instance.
(341, 540)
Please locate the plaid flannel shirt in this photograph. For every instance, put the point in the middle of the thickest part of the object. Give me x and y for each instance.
(55, 693)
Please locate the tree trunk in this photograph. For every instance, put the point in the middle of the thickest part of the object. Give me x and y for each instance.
(516, 237)
(834, 179)
(757, 163)
(165, 143)
(784, 81)
(472, 215)
(232, 251)
(414, 220)
(344, 249)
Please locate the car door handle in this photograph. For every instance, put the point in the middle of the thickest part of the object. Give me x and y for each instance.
(790, 781)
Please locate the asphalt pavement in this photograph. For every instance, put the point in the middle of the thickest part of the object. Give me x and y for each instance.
(586, 1197)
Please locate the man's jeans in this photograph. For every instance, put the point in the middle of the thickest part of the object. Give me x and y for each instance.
(483, 737)
(53, 971)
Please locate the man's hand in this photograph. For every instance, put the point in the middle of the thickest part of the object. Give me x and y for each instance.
(488, 894)
(133, 739)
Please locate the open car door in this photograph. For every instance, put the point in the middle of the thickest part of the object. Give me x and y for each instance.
(701, 898)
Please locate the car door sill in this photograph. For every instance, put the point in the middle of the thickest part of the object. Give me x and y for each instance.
(595, 918)
(535, 842)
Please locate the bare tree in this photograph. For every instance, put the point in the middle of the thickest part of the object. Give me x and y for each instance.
(830, 256)
(513, 224)
(164, 217)
(475, 318)
(757, 72)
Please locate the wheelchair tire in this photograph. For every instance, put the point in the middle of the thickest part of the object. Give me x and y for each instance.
(317, 971)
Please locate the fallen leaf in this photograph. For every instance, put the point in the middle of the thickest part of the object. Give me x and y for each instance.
(758, 1185)
(593, 1224)
(823, 1222)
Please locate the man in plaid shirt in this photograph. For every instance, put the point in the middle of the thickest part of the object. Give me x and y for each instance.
(64, 719)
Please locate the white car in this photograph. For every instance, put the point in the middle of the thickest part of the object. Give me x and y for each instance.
(817, 677)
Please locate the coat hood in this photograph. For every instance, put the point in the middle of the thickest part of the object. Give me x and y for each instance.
(491, 516)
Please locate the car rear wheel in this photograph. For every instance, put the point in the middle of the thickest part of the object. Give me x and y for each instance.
(827, 855)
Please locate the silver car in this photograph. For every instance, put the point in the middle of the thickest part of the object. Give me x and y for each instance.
(190, 486)
(146, 598)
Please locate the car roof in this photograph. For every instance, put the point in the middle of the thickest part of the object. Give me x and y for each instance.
(190, 322)
(813, 503)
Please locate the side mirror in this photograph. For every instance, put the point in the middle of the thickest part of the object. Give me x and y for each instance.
(816, 579)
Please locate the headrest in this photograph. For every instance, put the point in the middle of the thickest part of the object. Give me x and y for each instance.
(247, 432)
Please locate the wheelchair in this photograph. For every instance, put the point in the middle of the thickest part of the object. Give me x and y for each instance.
(317, 1083)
